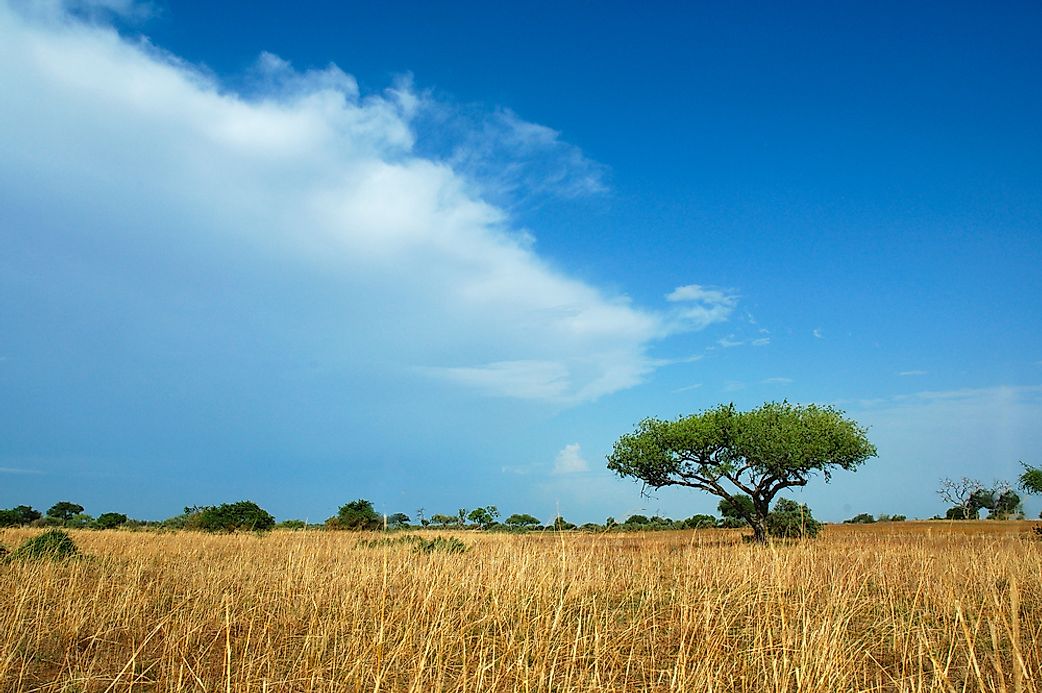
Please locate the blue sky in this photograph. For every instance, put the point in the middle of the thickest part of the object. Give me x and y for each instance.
(443, 257)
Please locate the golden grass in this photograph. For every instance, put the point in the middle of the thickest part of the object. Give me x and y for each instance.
(902, 607)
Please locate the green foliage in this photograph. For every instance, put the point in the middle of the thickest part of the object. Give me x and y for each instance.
(292, 524)
(700, 522)
(727, 452)
(735, 510)
(18, 516)
(562, 524)
(484, 517)
(110, 520)
(521, 520)
(54, 544)
(356, 515)
(792, 520)
(231, 517)
(442, 544)
(439, 520)
(1030, 480)
(419, 544)
(636, 520)
(397, 520)
(391, 541)
(892, 518)
(64, 510)
(861, 519)
(1007, 504)
(79, 521)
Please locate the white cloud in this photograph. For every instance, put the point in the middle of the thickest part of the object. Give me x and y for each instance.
(729, 342)
(907, 374)
(570, 460)
(324, 199)
(817, 333)
(761, 341)
(18, 470)
(700, 306)
(777, 381)
(687, 388)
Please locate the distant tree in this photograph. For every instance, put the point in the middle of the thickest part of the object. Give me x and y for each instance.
(461, 517)
(484, 517)
(1007, 505)
(861, 519)
(521, 520)
(883, 517)
(561, 524)
(439, 520)
(110, 520)
(789, 519)
(1030, 480)
(610, 522)
(966, 497)
(64, 511)
(232, 517)
(397, 520)
(292, 524)
(758, 453)
(635, 520)
(18, 515)
(356, 515)
(700, 521)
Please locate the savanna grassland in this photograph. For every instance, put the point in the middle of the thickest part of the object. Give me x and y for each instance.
(903, 607)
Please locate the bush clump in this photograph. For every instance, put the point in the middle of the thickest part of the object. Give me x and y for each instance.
(55, 545)
(791, 520)
(448, 545)
(232, 517)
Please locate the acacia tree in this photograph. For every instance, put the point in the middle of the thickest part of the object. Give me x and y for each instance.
(758, 453)
(1031, 479)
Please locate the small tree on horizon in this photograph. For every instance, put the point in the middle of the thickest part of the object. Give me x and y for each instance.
(726, 452)
(63, 511)
(356, 515)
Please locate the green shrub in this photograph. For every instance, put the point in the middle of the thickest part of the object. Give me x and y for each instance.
(356, 515)
(791, 520)
(391, 541)
(55, 545)
(232, 517)
(110, 520)
(17, 516)
(448, 545)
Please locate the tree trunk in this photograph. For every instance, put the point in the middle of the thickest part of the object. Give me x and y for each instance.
(759, 526)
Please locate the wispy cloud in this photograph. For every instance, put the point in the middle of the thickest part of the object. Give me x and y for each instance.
(729, 342)
(776, 381)
(687, 388)
(699, 306)
(570, 460)
(18, 470)
(761, 341)
(911, 374)
(818, 334)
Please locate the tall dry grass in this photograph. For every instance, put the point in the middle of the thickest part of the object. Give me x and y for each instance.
(905, 608)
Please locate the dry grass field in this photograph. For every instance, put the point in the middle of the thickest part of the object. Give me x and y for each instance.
(897, 607)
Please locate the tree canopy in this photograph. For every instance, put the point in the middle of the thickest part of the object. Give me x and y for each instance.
(358, 514)
(64, 510)
(1031, 479)
(727, 452)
